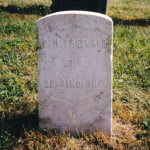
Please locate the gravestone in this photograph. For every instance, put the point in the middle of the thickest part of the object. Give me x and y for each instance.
(87, 5)
(74, 51)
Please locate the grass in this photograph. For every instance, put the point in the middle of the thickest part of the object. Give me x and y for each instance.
(18, 80)
(37, 7)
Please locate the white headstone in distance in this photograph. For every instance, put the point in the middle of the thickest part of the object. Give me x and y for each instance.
(75, 71)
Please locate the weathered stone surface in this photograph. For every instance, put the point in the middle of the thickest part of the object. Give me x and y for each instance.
(88, 5)
(75, 71)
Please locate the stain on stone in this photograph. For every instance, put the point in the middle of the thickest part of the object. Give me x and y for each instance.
(57, 35)
(99, 95)
(45, 120)
(99, 119)
(50, 29)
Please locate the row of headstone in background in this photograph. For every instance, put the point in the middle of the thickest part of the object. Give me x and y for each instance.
(99, 6)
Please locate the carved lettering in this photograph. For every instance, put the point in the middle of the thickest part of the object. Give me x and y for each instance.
(62, 82)
(47, 83)
(68, 83)
(67, 43)
(83, 43)
(100, 42)
(76, 43)
(56, 42)
(74, 63)
(57, 82)
(79, 84)
(104, 42)
(52, 83)
(79, 43)
(94, 83)
(72, 42)
(81, 62)
(73, 83)
(71, 63)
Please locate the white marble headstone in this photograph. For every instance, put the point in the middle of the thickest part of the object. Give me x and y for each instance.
(75, 71)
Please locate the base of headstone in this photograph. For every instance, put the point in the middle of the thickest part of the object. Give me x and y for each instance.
(75, 72)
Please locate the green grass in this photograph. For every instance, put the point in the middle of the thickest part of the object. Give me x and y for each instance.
(18, 57)
(131, 80)
(37, 7)
(132, 53)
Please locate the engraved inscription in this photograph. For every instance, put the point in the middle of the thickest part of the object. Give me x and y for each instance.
(76, 43)
(73, 83)
(74, 63)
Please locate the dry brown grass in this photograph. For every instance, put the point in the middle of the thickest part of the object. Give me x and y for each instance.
(124, 134)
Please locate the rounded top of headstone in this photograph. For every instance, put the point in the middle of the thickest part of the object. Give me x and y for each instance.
(94, 14)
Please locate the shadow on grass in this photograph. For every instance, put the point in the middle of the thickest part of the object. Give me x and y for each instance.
(40, 10)
(18, 124)
(132, 22)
